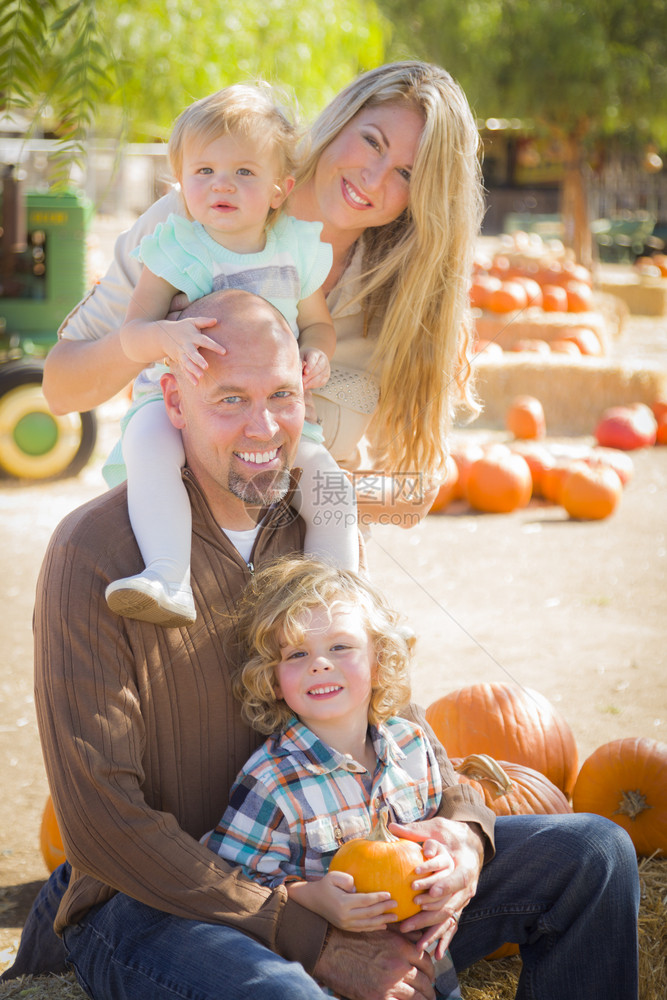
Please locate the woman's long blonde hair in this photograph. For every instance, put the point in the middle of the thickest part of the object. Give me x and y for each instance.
(271, 610)
(416, 269)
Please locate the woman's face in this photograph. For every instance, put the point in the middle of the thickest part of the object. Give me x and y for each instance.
(362, 178)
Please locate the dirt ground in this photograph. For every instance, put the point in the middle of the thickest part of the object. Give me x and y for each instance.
(576, 610)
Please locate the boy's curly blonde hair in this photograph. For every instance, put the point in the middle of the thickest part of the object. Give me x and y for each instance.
(271, 609)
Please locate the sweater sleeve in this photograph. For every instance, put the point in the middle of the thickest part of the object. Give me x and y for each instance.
(90, 701)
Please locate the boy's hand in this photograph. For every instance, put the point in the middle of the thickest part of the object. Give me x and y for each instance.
(334, 898)
(315, 368)
(182, 340)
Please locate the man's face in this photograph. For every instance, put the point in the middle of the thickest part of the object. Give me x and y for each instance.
(242, 423)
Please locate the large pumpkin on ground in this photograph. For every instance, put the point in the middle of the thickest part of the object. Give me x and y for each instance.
(626, 781)
(510, 723)
(382, 863)
(511, 789)
(499, 482)
(590, 493)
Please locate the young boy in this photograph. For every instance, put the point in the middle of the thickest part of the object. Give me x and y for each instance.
(326, 669)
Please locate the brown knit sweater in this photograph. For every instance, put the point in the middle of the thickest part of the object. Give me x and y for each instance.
(142, 737)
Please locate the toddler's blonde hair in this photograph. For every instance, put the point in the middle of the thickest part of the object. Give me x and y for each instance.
(272, 608)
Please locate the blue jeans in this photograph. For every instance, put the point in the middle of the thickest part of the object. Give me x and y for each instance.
(565, 888)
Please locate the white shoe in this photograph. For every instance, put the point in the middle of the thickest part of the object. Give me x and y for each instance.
(149, 598)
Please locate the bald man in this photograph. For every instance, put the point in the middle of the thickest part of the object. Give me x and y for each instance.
(142, 737)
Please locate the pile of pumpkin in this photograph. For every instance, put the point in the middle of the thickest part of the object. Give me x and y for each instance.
(531, 274)
(654, 266)
(519, 752)
(587, 481)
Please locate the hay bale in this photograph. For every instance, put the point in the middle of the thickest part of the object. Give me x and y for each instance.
(482, 981)
(43, 988)
(573, 391)
(642, 294)
(653, 929)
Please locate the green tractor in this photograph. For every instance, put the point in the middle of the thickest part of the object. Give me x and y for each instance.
(42, 277)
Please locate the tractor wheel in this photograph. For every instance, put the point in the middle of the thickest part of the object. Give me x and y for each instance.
(34, 444)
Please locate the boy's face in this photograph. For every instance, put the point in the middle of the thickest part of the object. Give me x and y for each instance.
(229, 185)
(326, 679)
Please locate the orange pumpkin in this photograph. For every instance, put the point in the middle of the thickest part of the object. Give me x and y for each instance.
(661, 429)
(625, 781)
(614, 459)
(511, 789)
(481, 288)
(525, 418)
(585, 339)
(448, 487)
(508, 298)
(533, 290)
(499, 482)
(562, 346)
(539, 460)
(382, 863)
(534, 344)
(554, 298)
(50, 841)
(465, 456)
(552, 480)
(510, 723)
(590, 493)
(579, 297)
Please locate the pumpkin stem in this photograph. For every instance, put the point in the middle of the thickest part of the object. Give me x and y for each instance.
(632, 804)
(380, 832)
(482, 767)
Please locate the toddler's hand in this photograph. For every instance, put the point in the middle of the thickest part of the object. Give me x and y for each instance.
(315, 368)
(182, 340)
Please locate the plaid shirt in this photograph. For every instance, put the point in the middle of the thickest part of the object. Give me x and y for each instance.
(297, 800)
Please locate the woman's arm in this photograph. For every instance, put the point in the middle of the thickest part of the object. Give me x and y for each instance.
(81, 374)
(88, 366)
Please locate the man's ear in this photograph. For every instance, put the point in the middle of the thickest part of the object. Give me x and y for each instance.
(172, 399)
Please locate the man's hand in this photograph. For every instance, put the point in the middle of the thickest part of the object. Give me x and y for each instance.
(443, 841)
(378, 966)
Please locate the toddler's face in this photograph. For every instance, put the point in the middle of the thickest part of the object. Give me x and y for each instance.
(328, 676)
(229, 185)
